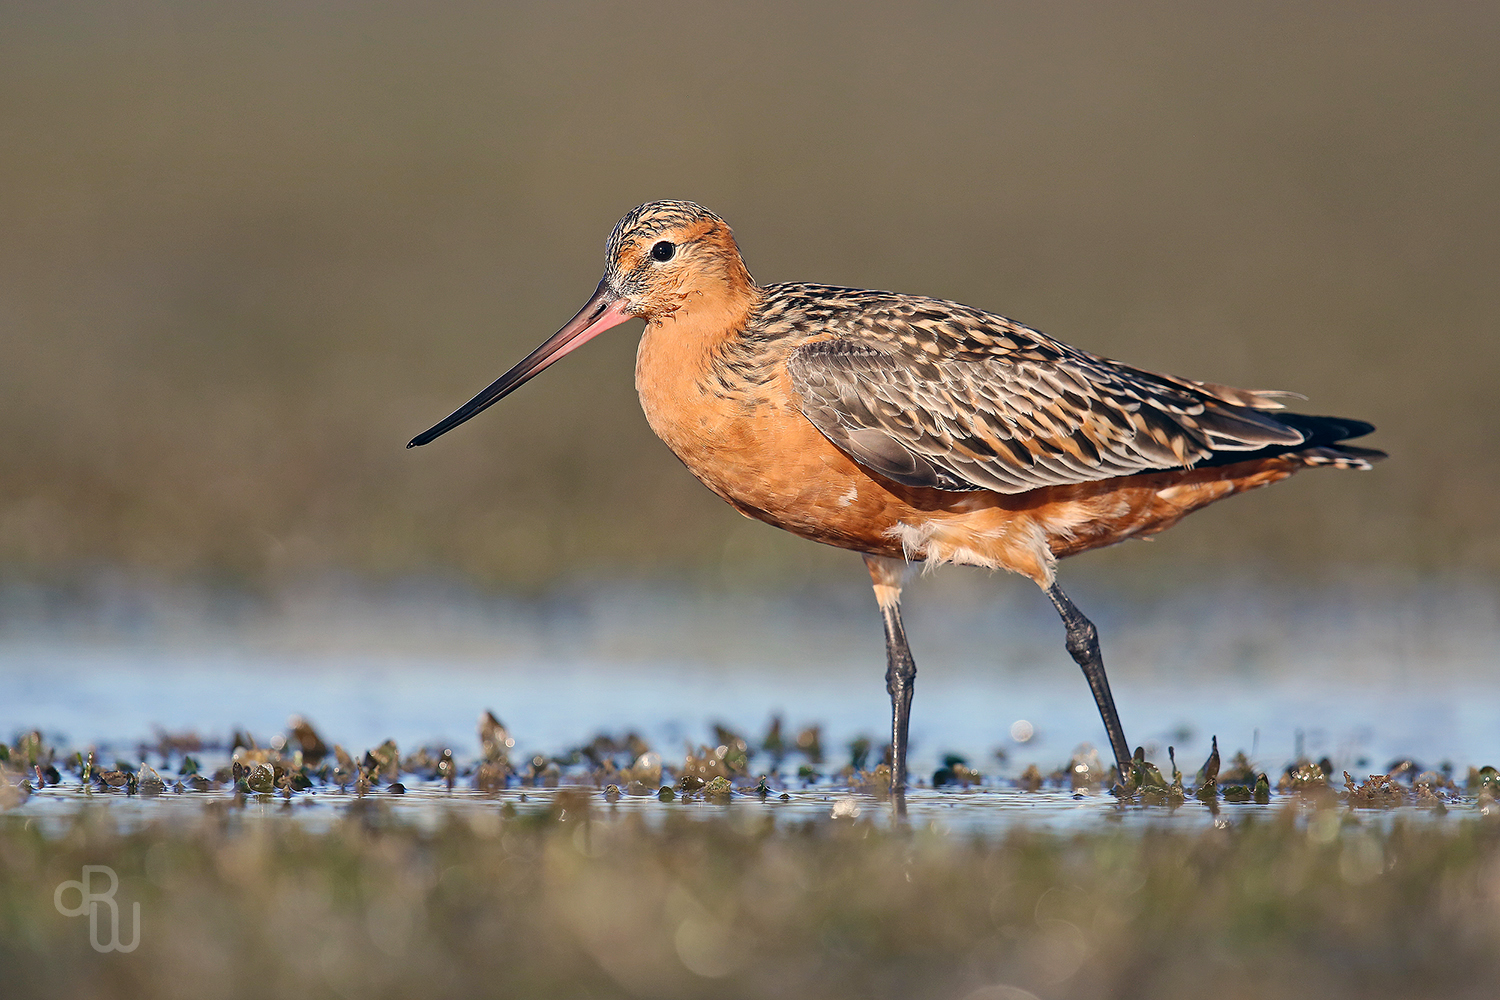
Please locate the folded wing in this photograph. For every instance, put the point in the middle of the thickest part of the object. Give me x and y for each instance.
(930, 393)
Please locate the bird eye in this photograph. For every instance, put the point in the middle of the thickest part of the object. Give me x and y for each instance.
(664, 250)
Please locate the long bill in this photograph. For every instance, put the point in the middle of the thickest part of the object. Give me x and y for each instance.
(604, 310)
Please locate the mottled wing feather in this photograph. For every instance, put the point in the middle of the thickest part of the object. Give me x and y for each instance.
(932, 393)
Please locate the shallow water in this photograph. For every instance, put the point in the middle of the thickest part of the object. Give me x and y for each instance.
(987, 809)
(1361, 679)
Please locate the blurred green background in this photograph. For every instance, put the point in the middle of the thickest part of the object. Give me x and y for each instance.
(249, 250)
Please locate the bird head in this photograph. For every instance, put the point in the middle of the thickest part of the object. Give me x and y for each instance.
(666, 255)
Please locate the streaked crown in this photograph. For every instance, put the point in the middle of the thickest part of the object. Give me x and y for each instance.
(663, 251)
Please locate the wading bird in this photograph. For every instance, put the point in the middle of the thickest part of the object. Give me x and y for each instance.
(914, 430)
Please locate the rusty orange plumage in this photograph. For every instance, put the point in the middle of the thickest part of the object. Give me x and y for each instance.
(915, 430)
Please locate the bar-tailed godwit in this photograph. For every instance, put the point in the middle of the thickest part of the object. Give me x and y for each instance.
(918, 431)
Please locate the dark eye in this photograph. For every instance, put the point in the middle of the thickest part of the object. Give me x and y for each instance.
(664, 250)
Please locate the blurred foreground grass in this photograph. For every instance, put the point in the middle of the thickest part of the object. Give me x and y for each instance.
(569, 902)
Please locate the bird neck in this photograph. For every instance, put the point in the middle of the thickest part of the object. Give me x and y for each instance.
(688, 395)
(683, 344)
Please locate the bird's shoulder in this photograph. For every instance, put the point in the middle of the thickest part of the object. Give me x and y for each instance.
(837, 321)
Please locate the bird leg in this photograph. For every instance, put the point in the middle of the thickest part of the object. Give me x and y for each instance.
(888, 574)
(1083, 645)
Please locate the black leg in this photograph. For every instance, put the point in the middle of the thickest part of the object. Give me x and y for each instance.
(1083, 646)
(901, 669)
(900, 675)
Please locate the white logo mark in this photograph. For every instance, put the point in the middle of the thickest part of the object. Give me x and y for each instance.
(90, 901)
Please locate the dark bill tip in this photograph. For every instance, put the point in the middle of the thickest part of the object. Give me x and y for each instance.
(602, 311)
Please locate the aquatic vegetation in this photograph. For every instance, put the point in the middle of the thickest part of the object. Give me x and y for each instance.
(283, 767)
(1305, 776)
(495, 741)
(955, 771)
(876, 782)
(718, 789)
